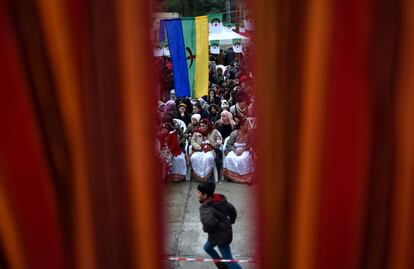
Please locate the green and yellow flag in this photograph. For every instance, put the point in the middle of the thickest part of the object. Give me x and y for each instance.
(188, 46)
(201, 75)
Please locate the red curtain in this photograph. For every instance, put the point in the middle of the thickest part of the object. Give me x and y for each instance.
(335, 174)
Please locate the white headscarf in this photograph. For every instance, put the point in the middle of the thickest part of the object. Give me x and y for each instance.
(196, 116)
(229, 116)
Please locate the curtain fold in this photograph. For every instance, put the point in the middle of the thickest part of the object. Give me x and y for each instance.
(62, 56)
(138, 120)
(310, 142)
(79, 184)
(402, 236)
(25, 173)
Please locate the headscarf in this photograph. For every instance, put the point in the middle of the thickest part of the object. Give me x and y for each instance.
(166, 125)
(196, 116)
(209, 127)
(241, 113)
(169, 106)
(183, 104)
(224, 104)
(203, 103)
(229, 118)
(243, 78)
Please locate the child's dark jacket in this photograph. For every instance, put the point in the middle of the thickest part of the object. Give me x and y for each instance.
(217, 215)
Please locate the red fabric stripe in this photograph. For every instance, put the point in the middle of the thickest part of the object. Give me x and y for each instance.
(22, 159)
(344, 178)
(77, 13)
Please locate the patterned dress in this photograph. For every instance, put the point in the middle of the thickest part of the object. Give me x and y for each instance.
(239, 168)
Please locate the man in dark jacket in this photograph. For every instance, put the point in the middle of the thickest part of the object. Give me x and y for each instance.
(217, 215)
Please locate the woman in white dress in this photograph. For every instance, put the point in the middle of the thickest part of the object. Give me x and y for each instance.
(171, 153)
(238, 163)
(204, 141)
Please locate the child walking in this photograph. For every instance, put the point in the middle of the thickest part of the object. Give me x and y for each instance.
(217, 216)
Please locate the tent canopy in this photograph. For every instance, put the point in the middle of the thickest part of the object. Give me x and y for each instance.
(226, 37)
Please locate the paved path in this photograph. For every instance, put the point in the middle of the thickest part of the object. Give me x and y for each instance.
(185, 235)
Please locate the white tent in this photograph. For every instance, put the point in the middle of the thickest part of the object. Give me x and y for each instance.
(226, 37)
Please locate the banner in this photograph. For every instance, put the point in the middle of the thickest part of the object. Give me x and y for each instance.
(201, 72)
(237, 45)
(178, 56)
(215, 23)
(214, 47)
(188, 48)
(189, 33)
(162, 32)
(158, 52)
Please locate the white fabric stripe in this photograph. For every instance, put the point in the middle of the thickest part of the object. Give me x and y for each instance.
(208, 260)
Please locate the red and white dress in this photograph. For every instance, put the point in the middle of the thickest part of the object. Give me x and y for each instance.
(239, 168)
(173, 156)
(202, 162)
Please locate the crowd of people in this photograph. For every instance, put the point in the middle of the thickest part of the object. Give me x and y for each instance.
(209, 136)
